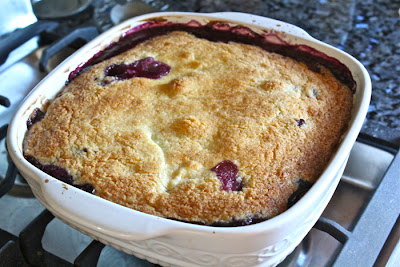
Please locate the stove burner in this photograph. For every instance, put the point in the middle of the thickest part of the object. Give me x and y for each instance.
(54, 9)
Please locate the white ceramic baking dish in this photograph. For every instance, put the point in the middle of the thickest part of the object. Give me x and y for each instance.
(173, 243)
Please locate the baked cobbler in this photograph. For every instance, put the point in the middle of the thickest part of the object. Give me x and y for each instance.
(201, 131)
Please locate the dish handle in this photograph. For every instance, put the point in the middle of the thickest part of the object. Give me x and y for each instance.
(277, 25)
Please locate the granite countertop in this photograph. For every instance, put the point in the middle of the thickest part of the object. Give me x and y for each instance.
(369, 30)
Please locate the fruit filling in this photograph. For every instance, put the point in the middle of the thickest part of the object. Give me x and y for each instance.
(146, 68)
(36, 116)
(302, 189)
(227, 173)
(59, 173)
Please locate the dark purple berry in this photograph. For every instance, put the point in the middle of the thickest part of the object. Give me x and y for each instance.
(302, 189)
(300, 122)
(59, 173)
(232, 223)
(146, 68)
(36, 116)
(86, 187)
(227, 173)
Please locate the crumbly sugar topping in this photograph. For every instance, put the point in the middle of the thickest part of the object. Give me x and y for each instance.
(155, 144)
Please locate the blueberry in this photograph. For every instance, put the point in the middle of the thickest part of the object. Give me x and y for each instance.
(300, 122)
(227, 173)
(302, 189)
(59, 173)
(36, 116)
(86, 187)
(146, 68)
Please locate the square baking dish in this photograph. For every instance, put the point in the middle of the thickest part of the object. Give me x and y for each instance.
(173, 243)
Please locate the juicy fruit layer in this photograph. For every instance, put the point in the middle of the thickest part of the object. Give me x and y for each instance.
(146, 68)
(223, 137)
(60, 173)
(218, 31)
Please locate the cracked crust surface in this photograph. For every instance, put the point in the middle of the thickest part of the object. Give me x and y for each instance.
(150, 144)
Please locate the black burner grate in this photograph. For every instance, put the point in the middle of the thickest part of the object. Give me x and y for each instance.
(8, 181)
(364, 243)
(27, 249)
(75, 38)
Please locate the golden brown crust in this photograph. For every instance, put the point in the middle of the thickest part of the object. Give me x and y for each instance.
(150, 144)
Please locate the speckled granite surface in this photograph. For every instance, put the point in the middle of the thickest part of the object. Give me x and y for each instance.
(367, 29)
